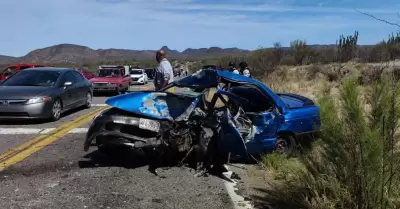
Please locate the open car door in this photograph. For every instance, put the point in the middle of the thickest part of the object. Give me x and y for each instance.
(266, 120)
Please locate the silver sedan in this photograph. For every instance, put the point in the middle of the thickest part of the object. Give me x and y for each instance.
(43, 93)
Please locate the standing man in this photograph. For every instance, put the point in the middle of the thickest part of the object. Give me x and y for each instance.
(232, 68)
(164, 72)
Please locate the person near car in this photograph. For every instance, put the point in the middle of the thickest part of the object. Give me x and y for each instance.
(244, 70)
(164, 73)
(231, 67)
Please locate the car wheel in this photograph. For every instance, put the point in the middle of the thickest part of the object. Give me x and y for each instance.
(89, 98)
(118, 91)
(286, 145)
(56, 110)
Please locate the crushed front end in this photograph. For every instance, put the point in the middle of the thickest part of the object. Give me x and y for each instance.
(115, 127)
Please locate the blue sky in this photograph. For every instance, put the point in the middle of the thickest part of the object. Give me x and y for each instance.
(181, 24)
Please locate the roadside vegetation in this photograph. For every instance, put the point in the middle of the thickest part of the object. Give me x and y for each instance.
(355, 161)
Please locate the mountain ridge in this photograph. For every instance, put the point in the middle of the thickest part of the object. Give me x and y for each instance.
(78, 54)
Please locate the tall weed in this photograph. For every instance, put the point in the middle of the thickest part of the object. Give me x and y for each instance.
(356, 162)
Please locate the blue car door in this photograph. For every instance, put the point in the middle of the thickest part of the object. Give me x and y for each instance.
(231, 141)
(267, 125)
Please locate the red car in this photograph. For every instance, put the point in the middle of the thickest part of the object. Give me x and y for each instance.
(111, 80)
(11, 69)
(86, 74)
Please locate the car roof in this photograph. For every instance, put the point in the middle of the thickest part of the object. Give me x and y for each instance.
(58, 69)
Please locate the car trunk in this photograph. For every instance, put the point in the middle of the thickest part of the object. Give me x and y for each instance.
(294, 101)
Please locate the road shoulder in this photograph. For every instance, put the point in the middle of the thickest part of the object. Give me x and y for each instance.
(252, 181)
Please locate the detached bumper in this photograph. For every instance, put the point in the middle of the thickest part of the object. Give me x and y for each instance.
(119, 130)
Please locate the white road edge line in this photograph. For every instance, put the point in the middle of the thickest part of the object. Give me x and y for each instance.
(238, 201)
(99, 105)
(20, 131)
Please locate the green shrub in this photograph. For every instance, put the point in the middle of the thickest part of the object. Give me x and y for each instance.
(356, 161)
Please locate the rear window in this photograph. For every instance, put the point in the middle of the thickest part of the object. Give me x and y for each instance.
(136, 72)
(109, 73)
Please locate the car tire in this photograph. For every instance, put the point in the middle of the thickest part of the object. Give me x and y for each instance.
(286, 145)
(118, 91)
(88, 102)
(56, 109)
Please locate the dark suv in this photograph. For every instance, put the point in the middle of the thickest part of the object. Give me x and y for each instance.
(150, 72)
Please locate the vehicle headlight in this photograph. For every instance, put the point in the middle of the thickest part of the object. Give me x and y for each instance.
(38, 100)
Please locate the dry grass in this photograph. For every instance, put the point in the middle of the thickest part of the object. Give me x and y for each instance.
(315, 180)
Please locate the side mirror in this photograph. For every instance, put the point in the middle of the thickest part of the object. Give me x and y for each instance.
(68, 83)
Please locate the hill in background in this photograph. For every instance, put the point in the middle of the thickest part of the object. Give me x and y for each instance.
(77, 54)
(71, 53)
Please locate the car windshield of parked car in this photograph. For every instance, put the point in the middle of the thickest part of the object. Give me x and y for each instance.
(109, 73)
(9, 71)
(33, 78)
(136, 72)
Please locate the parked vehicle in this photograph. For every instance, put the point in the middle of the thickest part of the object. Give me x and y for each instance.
(250, 120)
(43, 93)
(111, 80)
(139, 76)
(125, 68)
(86, 74)
(11, 69)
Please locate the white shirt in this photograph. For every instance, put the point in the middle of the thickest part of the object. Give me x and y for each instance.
(236, 71)
(164, 72)
(246, 72)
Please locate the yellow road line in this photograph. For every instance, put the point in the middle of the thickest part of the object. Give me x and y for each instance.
(23, 151)
(31, 142)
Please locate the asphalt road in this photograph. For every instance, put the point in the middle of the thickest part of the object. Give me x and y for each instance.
(43, 165)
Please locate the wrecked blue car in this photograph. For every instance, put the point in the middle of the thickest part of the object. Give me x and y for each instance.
(207, 117)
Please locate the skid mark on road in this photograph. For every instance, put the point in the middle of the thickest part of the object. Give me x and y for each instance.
(23, 151)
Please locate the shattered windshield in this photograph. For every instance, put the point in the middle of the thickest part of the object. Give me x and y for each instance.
(109, 73)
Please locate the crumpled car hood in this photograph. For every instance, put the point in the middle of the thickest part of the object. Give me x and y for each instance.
(149, 104)
(158, 105)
